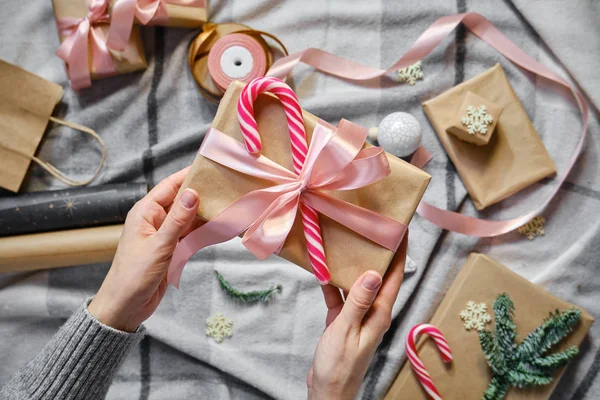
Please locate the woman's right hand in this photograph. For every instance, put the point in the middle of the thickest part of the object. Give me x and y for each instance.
(137, 280)
(354, 329)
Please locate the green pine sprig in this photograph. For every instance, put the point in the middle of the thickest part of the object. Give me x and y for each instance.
(247, 297)
(526, 364)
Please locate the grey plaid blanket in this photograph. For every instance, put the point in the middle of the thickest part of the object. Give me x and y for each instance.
(153, 122)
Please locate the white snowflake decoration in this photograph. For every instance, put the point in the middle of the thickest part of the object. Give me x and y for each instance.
(219, 327)
(475, 316)
(533, 228)
(411, 73)
(477, 119)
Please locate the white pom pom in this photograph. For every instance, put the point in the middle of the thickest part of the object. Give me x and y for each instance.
(399, 134)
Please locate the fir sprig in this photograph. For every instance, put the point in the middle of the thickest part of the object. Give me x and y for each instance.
(526, 364)
(247, 297)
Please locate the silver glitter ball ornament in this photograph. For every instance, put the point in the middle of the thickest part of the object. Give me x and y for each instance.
(399, 134)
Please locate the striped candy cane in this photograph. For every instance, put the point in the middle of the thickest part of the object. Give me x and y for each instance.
(293, 112)
(415, 361)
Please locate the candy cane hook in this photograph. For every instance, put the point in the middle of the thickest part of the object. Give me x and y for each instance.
(415, 361)
(293, 113)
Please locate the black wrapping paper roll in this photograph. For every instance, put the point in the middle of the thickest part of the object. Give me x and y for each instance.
(67, 209)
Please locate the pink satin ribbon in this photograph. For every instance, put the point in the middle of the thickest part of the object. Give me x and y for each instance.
(146, 11)
(431, 38)
(335, 161)
(81, 33)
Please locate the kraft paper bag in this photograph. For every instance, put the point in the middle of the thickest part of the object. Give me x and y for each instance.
(348, 254)
(26, 105)
(481, 280)
(515, 156)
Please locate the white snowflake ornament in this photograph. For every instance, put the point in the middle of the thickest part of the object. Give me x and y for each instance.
(399, 134)
(475, 316)
(219, 327)
(410, 74)
(477, 119)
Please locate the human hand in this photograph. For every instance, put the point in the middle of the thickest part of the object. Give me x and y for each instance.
(137, 279)
(353, 331)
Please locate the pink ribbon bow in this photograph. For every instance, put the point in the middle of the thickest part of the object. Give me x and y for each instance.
(145, 11)
(335, 161)
(81, 33)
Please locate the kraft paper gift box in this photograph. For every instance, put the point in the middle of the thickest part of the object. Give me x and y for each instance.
(515, 156)
(461, 130)
(481, 280)
(130, 60)
(348, 254)
(180, 16)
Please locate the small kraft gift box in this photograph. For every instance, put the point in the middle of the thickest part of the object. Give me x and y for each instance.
(502, 153)
(475, 120)
(348, 253)
(83, 27)
(467, 376)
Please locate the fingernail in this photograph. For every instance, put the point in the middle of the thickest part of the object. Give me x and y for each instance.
(371, 281)
(188, 198)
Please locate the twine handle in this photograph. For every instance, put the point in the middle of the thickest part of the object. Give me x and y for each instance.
(58, 174)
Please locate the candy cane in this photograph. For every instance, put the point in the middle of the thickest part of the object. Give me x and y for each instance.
(293, 113)
(415, 361)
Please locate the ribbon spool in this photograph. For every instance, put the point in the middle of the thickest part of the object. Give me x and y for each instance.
(226, 52)
(236, 57)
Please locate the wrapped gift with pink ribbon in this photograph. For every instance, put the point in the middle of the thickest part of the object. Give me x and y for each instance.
(173, 13)
(337, 207)
(82, 27)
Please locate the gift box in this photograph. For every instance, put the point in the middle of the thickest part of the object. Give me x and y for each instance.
(475, 120)
(348, 253)
(101, 62)
(515, 156)
(481, 280)
(172, 13)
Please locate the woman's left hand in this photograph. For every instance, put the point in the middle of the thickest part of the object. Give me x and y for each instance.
(137, 280)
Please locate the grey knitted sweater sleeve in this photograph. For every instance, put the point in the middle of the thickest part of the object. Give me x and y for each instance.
(78, 363)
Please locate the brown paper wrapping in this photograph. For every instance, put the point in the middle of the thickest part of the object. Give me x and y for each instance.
(348, 254)
(180, 16)
(185, 17)
(59, 249)
(514, 158)
(132, 59)
(26, 103)
(481, 280)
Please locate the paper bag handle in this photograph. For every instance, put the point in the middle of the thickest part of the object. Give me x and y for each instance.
(58, 174)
